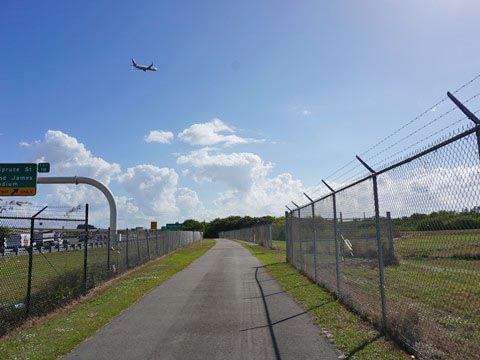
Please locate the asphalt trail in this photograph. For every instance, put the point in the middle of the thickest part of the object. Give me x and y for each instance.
(223, 306)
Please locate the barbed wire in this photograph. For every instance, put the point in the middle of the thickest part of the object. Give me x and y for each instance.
(431, 108)
(419, 116)
(390, 136)
(423, 127)
(422, 140)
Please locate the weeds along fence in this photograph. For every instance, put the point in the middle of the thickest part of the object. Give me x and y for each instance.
(401, 246)
(259, 234)
(51, 256)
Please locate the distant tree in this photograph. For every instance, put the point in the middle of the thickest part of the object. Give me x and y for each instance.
(82, 226)
(193, 225)
(4, 232)
(213, 228)
(440, 220)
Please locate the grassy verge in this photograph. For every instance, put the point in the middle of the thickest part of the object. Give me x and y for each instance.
(60, 333)
(279, 245)
(45, 266)
(432, 289)
(352, 336)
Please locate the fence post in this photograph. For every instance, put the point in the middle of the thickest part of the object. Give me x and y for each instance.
(30, 264)
(300, 242)
(366, 234)
(156, 242)
(380, 254)
(270, 236)
(126, 257)
(337, 243)
(287, 245)
(148, 244)
(138, 247)
(108, 253)
(336, 238)
(379, 245)
(391, 249)
(162, 242)
(85, 252)
(314, 238)
(339, 232)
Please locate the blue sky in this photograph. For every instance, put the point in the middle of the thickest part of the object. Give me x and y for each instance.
(309, 84)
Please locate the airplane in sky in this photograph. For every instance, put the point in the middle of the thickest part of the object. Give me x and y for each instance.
(143, 67)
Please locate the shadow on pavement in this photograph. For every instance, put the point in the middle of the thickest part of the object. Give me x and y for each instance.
(280, 292)
(362, 346)
(269, 320)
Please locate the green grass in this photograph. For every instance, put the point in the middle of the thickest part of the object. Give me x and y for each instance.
(57, 277)
(279, 245)
(432, 292)
(63, 331)
(14, 269)
(439, 244)
(355, 338)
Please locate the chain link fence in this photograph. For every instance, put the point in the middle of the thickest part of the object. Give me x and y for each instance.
(259, 234)
(401, 247)
(49, 256)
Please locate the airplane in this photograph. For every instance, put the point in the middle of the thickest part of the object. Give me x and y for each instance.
(142, 67)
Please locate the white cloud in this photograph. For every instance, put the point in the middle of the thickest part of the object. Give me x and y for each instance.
(68, 157)
(306, 112)
(159, 136)
(424, 189)
(249, 187)
(234, 170)
(213, 133)
(24, 144)
(152, 187)
(155, 192)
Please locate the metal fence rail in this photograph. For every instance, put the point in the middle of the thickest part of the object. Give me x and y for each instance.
(401, 246)
(260, 234)
(51, 257)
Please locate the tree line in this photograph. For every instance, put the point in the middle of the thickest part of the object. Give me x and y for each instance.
(441, 220)
(213, 228)
(435, 221)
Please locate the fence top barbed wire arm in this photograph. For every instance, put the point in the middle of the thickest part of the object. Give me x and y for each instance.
(407, 124)
(328, 186)
(464, 110)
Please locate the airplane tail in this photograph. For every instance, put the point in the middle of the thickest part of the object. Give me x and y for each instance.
(133, 62)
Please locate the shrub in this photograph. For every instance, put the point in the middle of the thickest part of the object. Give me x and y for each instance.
(404, 326)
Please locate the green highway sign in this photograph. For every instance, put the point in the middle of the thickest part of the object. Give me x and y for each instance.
(18, 179)
(44, 167)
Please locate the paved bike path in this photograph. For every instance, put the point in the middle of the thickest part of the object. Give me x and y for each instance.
(223, 306)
